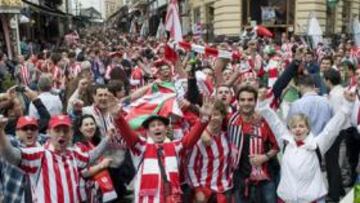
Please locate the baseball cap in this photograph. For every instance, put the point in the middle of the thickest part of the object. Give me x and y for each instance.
(59, 120)
(26, 121)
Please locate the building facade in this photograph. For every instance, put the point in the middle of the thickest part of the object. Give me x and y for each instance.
(9, 27)
(109, 7)
(229, 17)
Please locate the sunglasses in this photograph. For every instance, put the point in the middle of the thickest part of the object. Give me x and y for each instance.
(31, 128)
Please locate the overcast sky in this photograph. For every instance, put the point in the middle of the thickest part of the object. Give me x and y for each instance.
(87, 4)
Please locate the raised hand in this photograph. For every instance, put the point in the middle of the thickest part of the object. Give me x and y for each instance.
(207, 107)
(11, 93)
(111, 133)
(78, 104)
(115, 106)
(31, 94)
(183, 103)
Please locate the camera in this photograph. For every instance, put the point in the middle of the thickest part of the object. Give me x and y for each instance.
(20, 89)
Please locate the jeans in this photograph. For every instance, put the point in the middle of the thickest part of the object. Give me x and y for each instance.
(264, 192)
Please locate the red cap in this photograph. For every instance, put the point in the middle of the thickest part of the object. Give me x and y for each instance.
(26, 121)
(59, 120)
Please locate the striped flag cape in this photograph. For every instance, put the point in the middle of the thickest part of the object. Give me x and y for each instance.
(160, 100)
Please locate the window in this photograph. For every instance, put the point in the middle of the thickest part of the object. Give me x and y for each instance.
(268, 12)
(210, 13)
(197, 15)
(346, 16)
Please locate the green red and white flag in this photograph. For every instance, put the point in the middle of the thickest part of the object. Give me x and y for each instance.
(160, 100)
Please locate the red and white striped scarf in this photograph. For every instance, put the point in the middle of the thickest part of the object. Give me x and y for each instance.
(151, 183)
(257, 146)
(102, 179)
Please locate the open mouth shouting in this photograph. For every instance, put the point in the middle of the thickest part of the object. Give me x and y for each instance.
(62, 142)
(29, 138)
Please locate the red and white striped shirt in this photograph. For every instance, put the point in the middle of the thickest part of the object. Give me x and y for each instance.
(75, 69)
(209, 166)
(55, 177)
(58, 74)
(261, 140)
(24, 74)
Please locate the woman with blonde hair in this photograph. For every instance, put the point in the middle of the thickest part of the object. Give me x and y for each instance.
(301, 178)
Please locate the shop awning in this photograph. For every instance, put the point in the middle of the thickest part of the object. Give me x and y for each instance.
(121, 12)
(46, 10)
(9, 10)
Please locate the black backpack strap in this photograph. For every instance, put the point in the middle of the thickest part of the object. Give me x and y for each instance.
(318, 154)
(285, 143)
(167, 185)
(161, 166)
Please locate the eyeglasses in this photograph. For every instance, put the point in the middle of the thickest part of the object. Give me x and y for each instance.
(31, 128)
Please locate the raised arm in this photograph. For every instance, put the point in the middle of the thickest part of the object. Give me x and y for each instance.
(276, 124)
(285, 78)
(219, 67)
(180, 66)
(190, 139)
(99, 150)
(9, 152)
(326, 138)
(130, 137)
(139, 92)
(44, 115)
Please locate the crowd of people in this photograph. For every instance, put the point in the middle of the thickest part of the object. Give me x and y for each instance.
(109, 115)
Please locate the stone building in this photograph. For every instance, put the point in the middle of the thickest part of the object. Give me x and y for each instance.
(229, 17)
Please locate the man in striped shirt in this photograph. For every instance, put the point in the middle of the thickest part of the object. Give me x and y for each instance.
(246, 124)
(53, 168)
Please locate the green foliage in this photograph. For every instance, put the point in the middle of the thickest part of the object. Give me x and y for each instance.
(8, 82)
